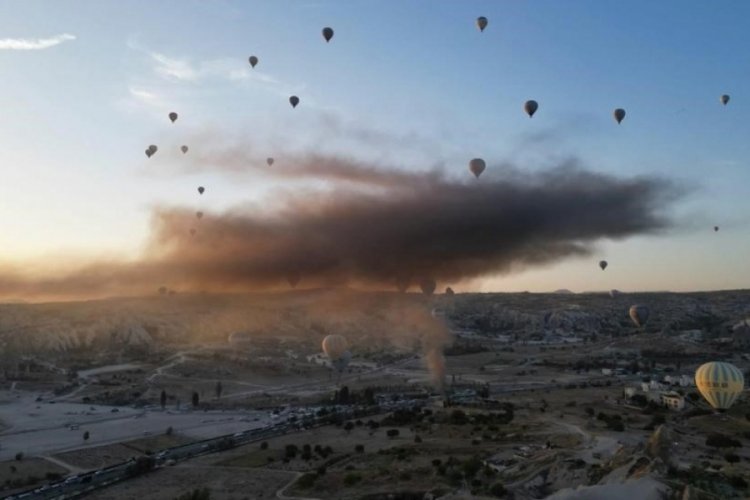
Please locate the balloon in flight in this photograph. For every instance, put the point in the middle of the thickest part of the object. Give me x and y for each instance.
(253, 61)
(184, 149)
(477, 166)
(402, 283)
(201, 189)
(481, 23)
(619, 115)
(724, 99)
(293, 278)
(269, 161)
(427, 285)
(719, 383)
(336, 348)
(639, 314)
(530, 107)
(328, 34)
(294, 100)
(151, 150)
(173, 116)
(603, 264)
(716, 229)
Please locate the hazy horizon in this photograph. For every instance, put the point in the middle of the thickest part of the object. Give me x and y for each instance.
(370, 182)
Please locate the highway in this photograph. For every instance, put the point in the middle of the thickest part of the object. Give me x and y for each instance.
(295, 420)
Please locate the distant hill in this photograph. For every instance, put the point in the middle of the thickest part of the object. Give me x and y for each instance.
(564, 291)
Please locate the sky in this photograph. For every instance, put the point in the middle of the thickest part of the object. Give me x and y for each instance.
(413, 86)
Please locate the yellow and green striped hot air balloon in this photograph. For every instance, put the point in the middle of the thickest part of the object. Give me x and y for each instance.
(720, 383)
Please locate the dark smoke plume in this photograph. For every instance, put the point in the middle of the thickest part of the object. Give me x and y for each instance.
(372, 227)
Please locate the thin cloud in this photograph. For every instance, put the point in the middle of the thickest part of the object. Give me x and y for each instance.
(34, 43)
(171, 68)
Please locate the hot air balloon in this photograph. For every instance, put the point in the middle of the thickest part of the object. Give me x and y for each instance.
(199, 214)
(192, 231)
(603, 264)
(201, 189)
(639, 314)
(402, 283)
(149, 152)
(173, 116)
(427, 285)
(719, 383)
(293, 278)
(481, 23)
(724, 99)
(184, 149)
(336, 348)
(477, 166)
(253, 61)
(449, 291)
(619, 115)
(716, 228)
(269, 161)
(530, 107)
(328, 34)
(294, 100)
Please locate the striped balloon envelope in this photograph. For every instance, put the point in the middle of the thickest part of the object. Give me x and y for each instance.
(720, 383)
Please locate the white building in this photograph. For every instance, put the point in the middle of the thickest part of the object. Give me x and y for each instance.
(672, 400)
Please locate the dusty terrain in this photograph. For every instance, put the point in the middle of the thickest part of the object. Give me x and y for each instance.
(562, 361)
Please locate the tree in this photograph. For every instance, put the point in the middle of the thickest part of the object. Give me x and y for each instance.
(290, 451)
(196, 399)
(369, 396)
(86, 436)
(169, 431)
(219, 389)
(344, 395)
(163, 399)
(392, 433)
(348, 427)
(264, 445)
(360, 448)
(19, 456)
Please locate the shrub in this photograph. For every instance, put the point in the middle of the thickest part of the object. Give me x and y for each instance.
(717, 440)
(351, 479)
(392, 433)
(360, 448)
(169, 431)
(498, 490)
(264, 445)
(19, 456)
(197, 494)
(732, 458)
(417, 439)
(306, 481)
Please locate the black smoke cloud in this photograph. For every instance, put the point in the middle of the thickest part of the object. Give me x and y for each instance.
(373, 226)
